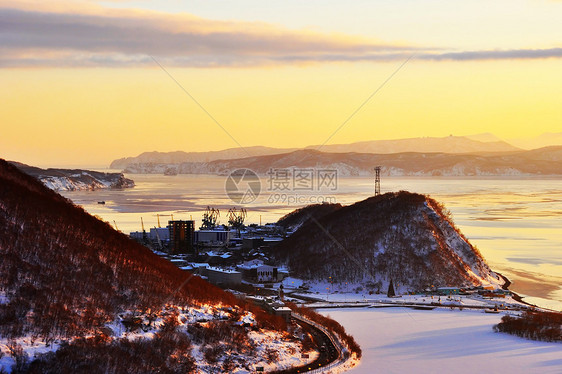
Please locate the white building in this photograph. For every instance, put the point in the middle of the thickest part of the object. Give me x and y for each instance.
(257, 271)
(212, 236)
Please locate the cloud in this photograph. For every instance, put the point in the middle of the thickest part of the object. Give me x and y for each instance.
(60, 36)
(510, 54)
(121, 38)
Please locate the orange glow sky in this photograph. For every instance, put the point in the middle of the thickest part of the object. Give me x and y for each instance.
(78, 86)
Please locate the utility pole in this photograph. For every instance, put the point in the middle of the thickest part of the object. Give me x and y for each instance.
(377, 180)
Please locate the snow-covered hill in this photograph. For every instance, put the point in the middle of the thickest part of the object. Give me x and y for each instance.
(76, 179)
(404, 236)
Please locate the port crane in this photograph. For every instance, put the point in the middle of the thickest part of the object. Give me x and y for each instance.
(210, 218)
(236, 217)
(144, 236)
(158, 240)
(163, 215)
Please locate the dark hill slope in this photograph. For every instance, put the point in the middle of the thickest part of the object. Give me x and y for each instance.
(406, 236)
(298, 217)
(66, 273)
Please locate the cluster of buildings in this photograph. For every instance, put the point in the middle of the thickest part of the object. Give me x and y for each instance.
(180, 237)
(250, 272)
(224, 256)
(485, 291)
(177, 237)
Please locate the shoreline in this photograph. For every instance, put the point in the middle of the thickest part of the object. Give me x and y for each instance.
(520, 298)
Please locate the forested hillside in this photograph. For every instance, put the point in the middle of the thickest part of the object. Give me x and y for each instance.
(404, 236)
(68, 281)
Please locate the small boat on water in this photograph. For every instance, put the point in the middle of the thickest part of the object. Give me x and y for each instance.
(101, 202)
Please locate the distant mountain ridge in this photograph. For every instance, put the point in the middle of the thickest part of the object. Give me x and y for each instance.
(544, 161)
(76, 179)
(485, 137)
(450, 144)
(179, 157)
(402, 236)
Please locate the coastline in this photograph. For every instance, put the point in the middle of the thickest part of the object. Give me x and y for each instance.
(515, 296)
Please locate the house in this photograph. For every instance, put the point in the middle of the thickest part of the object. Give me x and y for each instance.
(284, 312)
(199, 268)
(224, 277)
(256, 271)
(503, 292)
(217, 258)
(252, 243)
(448, 291)
(212, 238)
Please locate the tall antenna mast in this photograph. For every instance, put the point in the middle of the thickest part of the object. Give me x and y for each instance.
(377, 180)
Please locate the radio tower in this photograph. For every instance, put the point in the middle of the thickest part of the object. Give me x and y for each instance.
(377, 180)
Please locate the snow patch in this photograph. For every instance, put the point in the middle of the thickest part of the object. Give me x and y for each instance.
(4, 298)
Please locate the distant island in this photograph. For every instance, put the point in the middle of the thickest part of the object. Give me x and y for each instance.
(76, 179)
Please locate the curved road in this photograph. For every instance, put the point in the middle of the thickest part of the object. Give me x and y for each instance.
(329, 353)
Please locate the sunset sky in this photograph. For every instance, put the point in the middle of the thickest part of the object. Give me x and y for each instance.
(81, 81)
